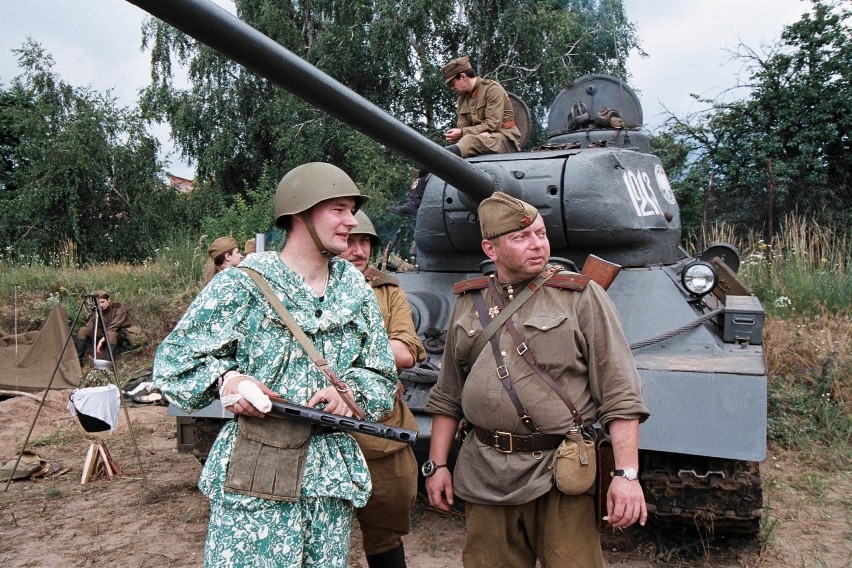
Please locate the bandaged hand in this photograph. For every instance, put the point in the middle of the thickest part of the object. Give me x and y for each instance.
(243, 394)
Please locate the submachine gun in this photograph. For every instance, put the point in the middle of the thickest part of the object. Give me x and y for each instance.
(284, 409)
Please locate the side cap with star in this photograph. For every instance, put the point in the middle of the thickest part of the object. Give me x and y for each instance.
(502, 214)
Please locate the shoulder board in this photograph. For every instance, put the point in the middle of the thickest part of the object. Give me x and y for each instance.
(568, 281)
(477, 283)
(376, 278)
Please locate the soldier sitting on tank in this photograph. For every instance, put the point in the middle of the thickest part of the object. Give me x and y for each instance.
(485, 124)
(387, 516)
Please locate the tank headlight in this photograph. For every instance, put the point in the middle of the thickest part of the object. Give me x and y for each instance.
(699, 278)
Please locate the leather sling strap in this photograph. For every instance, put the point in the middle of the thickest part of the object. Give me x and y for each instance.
(506, 312)
(502, 370)
(321, 363)
(524, 351)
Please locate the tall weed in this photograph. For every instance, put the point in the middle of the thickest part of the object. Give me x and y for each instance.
(805, 270)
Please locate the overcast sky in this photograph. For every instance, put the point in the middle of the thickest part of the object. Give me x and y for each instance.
(97, 43)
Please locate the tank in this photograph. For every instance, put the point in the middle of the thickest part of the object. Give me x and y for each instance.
(694, 327)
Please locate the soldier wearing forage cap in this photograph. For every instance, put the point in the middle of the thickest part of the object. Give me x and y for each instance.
(224, 253)
(250, 247)
(485, 123)
(281, 492)
(387, 516)
(567, 323)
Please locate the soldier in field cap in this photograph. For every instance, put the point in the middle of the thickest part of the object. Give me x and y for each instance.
(501, 214)
(566, 327)
(224, 253)
(485, 124)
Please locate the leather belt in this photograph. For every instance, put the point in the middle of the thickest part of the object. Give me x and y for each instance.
(508, 443)
(508, 124)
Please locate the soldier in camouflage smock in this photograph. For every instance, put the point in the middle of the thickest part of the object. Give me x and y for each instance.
(231, 334)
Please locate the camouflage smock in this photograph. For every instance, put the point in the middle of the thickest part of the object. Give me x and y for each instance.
(231, 325)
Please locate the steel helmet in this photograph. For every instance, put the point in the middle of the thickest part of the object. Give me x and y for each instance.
(365, 227)
(306, 185)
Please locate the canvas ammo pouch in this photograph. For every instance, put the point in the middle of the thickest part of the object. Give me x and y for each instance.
(268, 459)
(575, 464)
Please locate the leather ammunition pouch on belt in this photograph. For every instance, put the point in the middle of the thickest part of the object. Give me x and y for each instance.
(268, 459)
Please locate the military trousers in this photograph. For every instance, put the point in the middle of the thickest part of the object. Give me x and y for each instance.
(386, 517)
(557, 529)
(476, 145)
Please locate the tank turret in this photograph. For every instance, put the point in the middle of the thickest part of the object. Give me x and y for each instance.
(693, 325)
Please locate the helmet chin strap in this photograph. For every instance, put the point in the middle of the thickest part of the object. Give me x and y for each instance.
(306, 219)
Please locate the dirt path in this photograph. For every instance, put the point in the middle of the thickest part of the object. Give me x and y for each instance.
(58, 522)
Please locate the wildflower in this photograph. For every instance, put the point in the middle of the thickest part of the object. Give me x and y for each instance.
(783, 302)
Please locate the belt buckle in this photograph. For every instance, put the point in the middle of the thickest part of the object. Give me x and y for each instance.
(498, 436)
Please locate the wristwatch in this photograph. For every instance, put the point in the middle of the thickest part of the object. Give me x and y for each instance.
(429, 468)
(629, 474)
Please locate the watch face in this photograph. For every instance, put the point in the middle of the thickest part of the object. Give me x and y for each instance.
(428, 468)
(631, 474)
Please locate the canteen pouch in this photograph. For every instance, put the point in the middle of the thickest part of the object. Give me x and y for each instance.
(574, 464)
(268, 459)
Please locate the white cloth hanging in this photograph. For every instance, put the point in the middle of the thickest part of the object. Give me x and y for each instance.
(98, 402)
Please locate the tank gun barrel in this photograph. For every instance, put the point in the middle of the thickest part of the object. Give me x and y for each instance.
(233, 38)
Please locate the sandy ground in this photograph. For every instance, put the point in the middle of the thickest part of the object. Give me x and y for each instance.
(162, 521)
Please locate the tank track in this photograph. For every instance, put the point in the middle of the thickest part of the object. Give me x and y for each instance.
(204, 433)
(720, 495)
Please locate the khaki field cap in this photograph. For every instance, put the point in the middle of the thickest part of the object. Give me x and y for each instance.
(306, 185)
(221, 245)
(250, 246)
(455, 67)
(501, 214)
(101, 294)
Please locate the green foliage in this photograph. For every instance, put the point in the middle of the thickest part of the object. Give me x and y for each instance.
(79, 175)
(796, 121)
(237, 127)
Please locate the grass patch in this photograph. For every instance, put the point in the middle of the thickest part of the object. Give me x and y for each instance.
(810, 395)
(804, 271)
(59, 437)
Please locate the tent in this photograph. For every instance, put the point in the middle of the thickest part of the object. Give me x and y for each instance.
(27, 360)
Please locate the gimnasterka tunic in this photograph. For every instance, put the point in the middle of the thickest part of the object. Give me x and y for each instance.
(577, 338)
(486, 109)
(387, 516)
(231, 325)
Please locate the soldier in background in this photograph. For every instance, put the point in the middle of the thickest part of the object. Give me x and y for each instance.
(485, 124)
(115, 318)
(250, 247)
(387, 516)
(224, 253)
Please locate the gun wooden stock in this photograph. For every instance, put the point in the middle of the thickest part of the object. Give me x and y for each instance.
(601, 271)
(285, 409)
